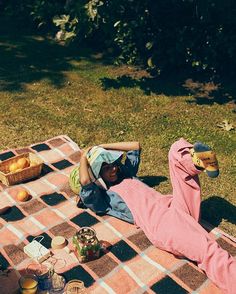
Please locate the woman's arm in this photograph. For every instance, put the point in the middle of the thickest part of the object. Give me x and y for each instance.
(122, 146)
(84, 176)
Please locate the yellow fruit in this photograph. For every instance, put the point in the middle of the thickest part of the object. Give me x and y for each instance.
(22, 195)
(13, 167)
(23, 162)
(32, 163)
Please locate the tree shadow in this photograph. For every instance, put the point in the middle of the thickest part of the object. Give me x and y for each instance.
(215, 208)
(168, 86)
(153, 181)
(27, 58)
(219, 91)
(203, 88)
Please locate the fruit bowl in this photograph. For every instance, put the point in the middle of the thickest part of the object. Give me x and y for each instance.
(20, 168)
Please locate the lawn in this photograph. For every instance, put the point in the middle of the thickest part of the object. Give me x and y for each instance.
(48, 89)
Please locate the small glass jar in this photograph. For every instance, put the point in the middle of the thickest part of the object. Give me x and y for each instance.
(87, 246)
(75, 287)
(28, 284)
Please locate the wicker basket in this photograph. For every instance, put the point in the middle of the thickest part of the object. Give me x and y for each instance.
(11, 178)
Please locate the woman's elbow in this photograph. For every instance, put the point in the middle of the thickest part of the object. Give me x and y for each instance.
(84, 181)
(137, 145)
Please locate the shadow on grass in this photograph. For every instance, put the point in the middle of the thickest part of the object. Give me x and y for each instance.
(215, 208)
(147, 84)
(27, 58)
(153, 181)
(201, 88)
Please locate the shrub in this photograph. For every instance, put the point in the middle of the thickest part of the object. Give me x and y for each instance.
(161, 35)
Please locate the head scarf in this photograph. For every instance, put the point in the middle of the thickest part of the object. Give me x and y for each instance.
(96, 157)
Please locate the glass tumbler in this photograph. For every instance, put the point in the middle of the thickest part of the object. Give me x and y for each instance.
(28, 284)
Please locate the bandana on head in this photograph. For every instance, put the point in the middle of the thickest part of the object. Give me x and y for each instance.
(96, 157)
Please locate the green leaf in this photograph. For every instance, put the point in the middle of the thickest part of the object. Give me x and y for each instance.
(61, 20)
(117, 23)
(195, 63)
(225, 125)
(149, 45)
(74, 21)
(41, 23)
(150, 62)
(69, 35)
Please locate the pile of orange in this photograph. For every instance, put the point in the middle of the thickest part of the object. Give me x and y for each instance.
(20, 164)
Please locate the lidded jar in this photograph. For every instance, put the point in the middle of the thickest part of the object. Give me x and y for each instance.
(87, 246)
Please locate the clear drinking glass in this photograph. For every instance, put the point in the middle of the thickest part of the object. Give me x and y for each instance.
(58, 284)
(44, 273)
(28, 284)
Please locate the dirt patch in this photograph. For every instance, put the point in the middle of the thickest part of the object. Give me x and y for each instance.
(199, 89)
(133, 72)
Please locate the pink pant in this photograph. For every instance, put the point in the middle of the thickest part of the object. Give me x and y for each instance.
(179, 231)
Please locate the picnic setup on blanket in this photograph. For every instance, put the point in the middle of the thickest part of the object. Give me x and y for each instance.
(50, 245)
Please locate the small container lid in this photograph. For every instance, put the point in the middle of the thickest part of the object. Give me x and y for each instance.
(58, 242)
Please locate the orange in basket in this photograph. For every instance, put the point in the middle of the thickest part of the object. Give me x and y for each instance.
(23, 162)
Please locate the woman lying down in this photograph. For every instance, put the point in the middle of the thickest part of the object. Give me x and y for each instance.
(170, 222)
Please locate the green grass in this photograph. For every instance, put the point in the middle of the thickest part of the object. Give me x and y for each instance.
(48, 89)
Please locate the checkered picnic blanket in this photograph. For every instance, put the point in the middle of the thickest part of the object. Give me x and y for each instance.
(130, 265)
